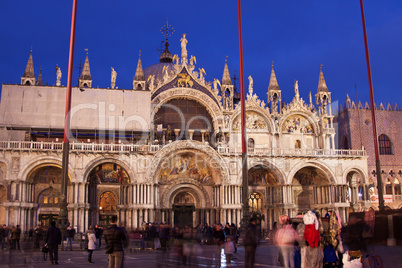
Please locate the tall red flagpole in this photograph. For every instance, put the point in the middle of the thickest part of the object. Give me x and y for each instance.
(246, 212)
(63, 214)
(377, 158)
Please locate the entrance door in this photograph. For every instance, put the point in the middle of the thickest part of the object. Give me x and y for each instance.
(183, 215)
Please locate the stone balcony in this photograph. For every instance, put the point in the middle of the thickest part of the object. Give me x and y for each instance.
(151, 149)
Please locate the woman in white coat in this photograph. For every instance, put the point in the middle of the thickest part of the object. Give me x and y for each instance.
(91, 243)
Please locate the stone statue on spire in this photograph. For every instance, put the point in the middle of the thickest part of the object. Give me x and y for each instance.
(58, 76)
(113, 78)
(183, 41)
(297, 89)
(250, 85)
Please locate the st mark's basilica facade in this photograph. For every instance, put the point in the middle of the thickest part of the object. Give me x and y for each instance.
(169, 150)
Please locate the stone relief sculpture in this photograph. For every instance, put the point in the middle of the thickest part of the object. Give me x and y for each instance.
(253, 122)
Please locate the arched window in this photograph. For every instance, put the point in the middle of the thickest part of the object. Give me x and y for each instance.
(388, 187)
(397, 188)
(255, 202)
(385, 144)
(250, 145)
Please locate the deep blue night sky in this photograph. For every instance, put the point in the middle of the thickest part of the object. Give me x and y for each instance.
(298, 36)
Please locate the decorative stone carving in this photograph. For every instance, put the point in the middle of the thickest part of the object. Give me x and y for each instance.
(254, 121)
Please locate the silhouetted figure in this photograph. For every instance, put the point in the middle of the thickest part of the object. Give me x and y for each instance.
(53, 240)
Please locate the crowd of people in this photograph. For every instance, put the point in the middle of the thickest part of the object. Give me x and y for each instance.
(312, 241)
(306, 241)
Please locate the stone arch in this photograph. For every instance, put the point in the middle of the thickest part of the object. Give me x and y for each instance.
(196, 189)
(359, 171)
(321, 166)
(191, 94)
(96, 162)
(187, 146)
(27, 169)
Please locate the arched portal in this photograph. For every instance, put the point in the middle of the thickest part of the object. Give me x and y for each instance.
(107, 182)
(46, 180)
(183, 209)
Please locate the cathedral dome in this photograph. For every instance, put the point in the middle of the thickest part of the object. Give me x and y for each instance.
(157, 70)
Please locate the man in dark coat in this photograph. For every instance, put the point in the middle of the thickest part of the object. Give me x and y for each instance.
(53, 240)
(115, 239)
(250, 243)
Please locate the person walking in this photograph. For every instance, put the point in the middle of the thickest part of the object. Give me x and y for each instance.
(115, 239)
(70, 232)
(5, 232)
(98, 234)
(250, 242)
(53, 240)
(91, 243)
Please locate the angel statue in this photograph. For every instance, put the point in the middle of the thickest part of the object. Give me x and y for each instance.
(216, 83)
(202, 73)
(297, 88)
(151, 84)
(176, 58)
(193, 60)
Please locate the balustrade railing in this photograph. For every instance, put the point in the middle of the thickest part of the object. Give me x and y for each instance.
(131, 148)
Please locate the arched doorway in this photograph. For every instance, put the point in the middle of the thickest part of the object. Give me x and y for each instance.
(47, 185)
(108, 184)
(183, 208)
(262, 179)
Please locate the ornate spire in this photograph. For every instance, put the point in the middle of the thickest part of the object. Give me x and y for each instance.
(85, 77)
(273, 83)
(226, 76)
(28, 77)
(322, 86)
(39, 82)
(167, 30)
(139, 77)
(139, 72)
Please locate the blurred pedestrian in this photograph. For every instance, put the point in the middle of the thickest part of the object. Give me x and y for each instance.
(250, 242)
(91, 243)
(15, 236)
(229, 250)
(53, 240)
(115, 239)
(285, 239)
(3, 237)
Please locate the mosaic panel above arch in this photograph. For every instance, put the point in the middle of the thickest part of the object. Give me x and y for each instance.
(47, 174)
(310, 176)
(109, 173)
(260, 175)
(186, 165)
(297, 124)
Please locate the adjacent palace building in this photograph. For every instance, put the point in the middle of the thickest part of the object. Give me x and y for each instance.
(169, 150)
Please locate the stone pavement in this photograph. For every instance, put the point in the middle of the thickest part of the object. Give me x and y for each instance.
(208, 256)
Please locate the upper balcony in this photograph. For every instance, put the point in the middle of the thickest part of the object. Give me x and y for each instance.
(137, 148)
